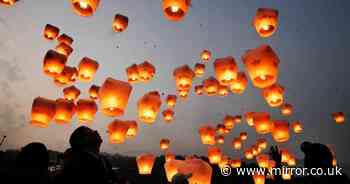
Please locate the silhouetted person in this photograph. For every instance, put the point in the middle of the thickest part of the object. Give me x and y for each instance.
(180, 178)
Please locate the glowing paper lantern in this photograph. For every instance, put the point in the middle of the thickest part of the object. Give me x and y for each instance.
(172, 168)
(210, 86)
(222, 90)
(132, 130)
(117, 131)
(339, 117)
(297, 127)
(87, 69)
(237, 119)
(239, 84)
(285, 155)
(280, 131)
(85, 8)
(132, 73)
(169, 157)
(168, 115)
(175, 10)
(183, 76)
(164, 144)
(67, 76)
(292, 161)
(236, 163)
(8, 3)
(199, 69)
(183, 94)
(64, 49)
(63, 38)
(265, 21)
(262, 66)
(249, 117)
(65, 110)
(171, 100)
(237, 143)
(146, 71)
(229, 121)
(114, 96)
(71, 93)
(220, 139)
(86, 110)
(262, 143)
(50, 31)
(43, 111)
(273, 95)
(54, 63)
(198, 89)
(226, 70)
(148, 107)
(286, 109)
(248, 154)
(201, 171)
(145, 163)
(205, 55)
(120, 23)
(207, 134)
(262, 122)
(93, 92)
(221, 129)
(243, 136)
(259, 178)
(224, 162)
(214, 155)
(263, 160)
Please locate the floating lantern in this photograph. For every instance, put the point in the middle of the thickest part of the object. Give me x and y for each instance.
(50, 31)
(258, 178)
(146, 71)
(132, 130)
(248, 154)
(286, 109)
(85, 8)
(114, 96)
(255, 150)
(164, 144)
(297, 127)
(64, 49)
(249, 117)
(243, 136)
(224, 162)
(87, 69)
(205, 55)
(262, 66)
(132, 73)
(210, 86)
(226, 70)
(71, 93)
(292, 161)
(237, 143)
(67, 76)
(43, 111)
(117, 130)
(214, 155)
(220, 139)
(145, 163)
(273, 95)
(265, 21)
(8, 3)
(199, 69)
(183, 94)
(183, 77)
(262, 122)
(221, 129)
(120, 23)
(86, 110)
(339, 117)
(65, 110)
(237, 119)
(229, 121)
(262, 143)
(168, 115)
(175, 10)
(236, 163)
(148, 107)
(171, 100)
(201, 171)
(207, 134)
(286, 174)
(172, 168)
(280, 131)
(263, 160)
(63, 38)
(169, 157)
(54, 63)
(222, 90)
(198, 89)
(239, 84)
(93, 92)
(285, 155)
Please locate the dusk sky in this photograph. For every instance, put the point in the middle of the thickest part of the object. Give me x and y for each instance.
(312, 42)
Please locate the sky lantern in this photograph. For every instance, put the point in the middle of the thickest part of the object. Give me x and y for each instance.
(226, 70)
(222, 90)
(280, 131)
(237, 143)
(255, 150)
(214, 155)
(207, 134)
(263, 160)
(172, 168)
(65, 110)
(146, 71)
(85, 8)
(8, 3)
(236, 163)
(132, 130)
(273, 95)
(175, 10)
(262, 143)
(248, 153)
(237, 119)
(67, 76)
(86, 110)
(198, 89)
(220, 139)
(145, 163)
(205, 55)
(54, 63)
(93, 92)
(239, 85)
(210, 86)
(164, 144)
(114, 97)
(183, 76)
(249, 118)
(50, 31)
(220, 129)
(120, 23)
(229, 121)
(265, 21)
(148, 107)
(169, 156)
(201, 171)
(183, 94)
(243, 136)
(64, 49)
(63, 38)
(87, 69)
(132, 73)
(292, 161)
(297, 127)
(339, 117)
(262, 122)
(71, 93)
(168, 115)
(287, 174)
(171, 101)
(262, 66)
(43, 111)
(117, 130)
(258, 178)
(287, 109)
(224, 162)
(199, 69)
(284, 155)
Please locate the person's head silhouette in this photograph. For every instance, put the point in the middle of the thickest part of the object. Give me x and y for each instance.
(84, 138)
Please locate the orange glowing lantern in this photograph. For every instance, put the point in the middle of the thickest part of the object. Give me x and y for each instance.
(207, 134)
(199, 69)
(248, 154)
(243, 136)
(237, 119)
(265, 21)
(50, 31)
(132, 73)
(114, 96)
(169, 157)
(117, 130)
(183, 94)
(286, 174)
(229, 121)
(273, 95)
(210, 86)
(286, 109)
(171, 100)
(285, 155)
(172, 168)
(93, 92)
(236, 163)
(86, 110)
(71, 93)
(262, 122)
(65, 110)
(149, 106)
(262, 143)
(339, 117)
(222, 90)
(67, 76)
(249, 117)
(237, 143)
(262, 66)
(145, 163)
(168, 115)
(214, 155)
(239, 84)
(256, 150)
(87, 69)
(8, 3)
(292, 161)
(132, 130)
(64, 49)
(175, 10)
(280, 131)
(224, 162)
(221, 129)
(220, 139)
(54, 63)
(198, 89)
(183, 77)
(226, 70)
(201, 171)
(43, 111)
(263, 160)
(146, 71)
(205, 55)
(259, 178)
(120, 23)
(63, 38)
(297, 127)
(164, 144)
(85, 8)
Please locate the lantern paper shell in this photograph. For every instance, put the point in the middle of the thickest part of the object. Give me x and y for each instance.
(201, 171)
(63, 38)
(175, 10)
(114, 96)
(169, 157)
(239, 85)
(248, 154)
(286, 109)
(145, 163)
(243, 136)
(132, 130)
(285, 155)
(64, 49)
(164, 144)
(207, 135)
(262, 122)
(237, 119)
(86, 110)
(50, 31)
(183, 94)
(120, 23)
(236, 163)
(199, 69)
(262, 66)
(8, 3)
(297, 127)
(71, 93)
(198, 89)
(183, 76)
(224, 162)
(54, 63)
(339, 117)
(67, 76)
(87, 69)
(259, 178)
(249, 117)
(214, 155)
(263, 160)
(229, 121)
(132, 73)
(221, 129)
(262, 143)
(222, 90)
(148, 107)
(43, 111)
(85, 8)
(65, 110)
(280, 131)
(117, 131)
(210, 86)
(265, 21)
(226, 70)
(205, 55)
(172, 168)
(220, 139)
(168, 115)
(273, 95)
(146, 71)
(171, 101)
(93, 92)
(237, 143)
